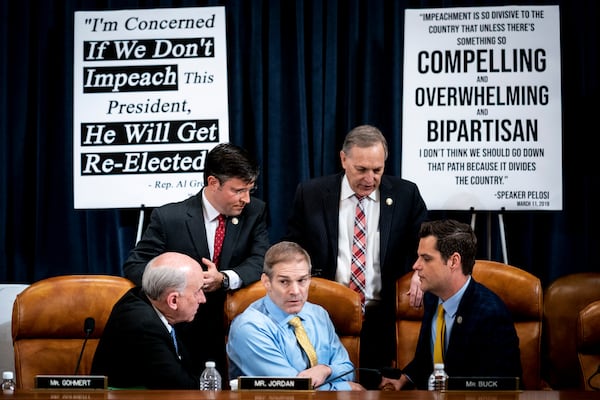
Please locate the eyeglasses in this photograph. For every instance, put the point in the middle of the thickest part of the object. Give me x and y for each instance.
(240, 192)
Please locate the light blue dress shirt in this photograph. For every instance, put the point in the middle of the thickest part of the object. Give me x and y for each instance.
(450, 309)
(261, 343)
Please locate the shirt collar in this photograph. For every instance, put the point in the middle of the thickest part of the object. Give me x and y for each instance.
(209, 211)
(163, 318)
(451, 304)
(277, 314)
(347, 191)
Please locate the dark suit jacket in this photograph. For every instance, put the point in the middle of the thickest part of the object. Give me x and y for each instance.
(136, 349)
(180, 227)
(314, 225)
(483, 340)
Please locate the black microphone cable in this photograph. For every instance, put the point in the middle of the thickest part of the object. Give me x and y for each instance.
(592, 376)
(88, 327)
(329, 380)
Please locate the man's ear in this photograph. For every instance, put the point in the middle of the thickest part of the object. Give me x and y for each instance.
(455, 260)
(265, 281)
(172, 300)
(212, 181)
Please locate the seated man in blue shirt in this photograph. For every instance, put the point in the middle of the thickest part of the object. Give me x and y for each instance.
(261, 341)
(480, 339)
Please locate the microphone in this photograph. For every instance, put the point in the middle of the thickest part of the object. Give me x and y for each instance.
(88, 327)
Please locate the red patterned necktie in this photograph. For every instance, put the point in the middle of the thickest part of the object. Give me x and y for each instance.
(219, 237)
(359, 251)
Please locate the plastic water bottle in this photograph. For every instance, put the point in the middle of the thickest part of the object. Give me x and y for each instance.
(210, 378)
(8, 382)
(438, 380)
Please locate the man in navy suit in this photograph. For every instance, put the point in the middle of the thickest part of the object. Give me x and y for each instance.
(322, 222)
(190, 226)
(136, 348)
(480, 337)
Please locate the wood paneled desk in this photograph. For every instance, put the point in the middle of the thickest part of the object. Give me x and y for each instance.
(51, 394)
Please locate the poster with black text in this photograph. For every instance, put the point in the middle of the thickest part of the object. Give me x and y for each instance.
(150, 101)
(482, 125)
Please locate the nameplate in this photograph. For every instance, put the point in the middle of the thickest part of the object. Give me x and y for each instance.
(70, 382)
(483, 383)
(273, 383)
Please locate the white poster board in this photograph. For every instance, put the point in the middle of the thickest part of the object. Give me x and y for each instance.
(482, 125)
(150, 100)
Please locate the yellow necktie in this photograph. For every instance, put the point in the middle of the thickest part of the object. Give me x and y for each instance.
(304, 341)
(440, 329)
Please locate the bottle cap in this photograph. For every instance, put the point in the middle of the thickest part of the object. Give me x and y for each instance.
(7, 375)
(210, 364)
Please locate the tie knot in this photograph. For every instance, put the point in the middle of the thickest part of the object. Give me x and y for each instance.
(295, 322)
(221, 218)
(359, 197)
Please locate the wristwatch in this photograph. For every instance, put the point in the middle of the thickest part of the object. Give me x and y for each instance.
(225, 281)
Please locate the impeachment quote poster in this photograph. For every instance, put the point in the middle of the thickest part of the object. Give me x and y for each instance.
(150, 101)
(482, 123)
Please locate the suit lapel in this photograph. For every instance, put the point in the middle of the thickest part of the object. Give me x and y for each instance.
(195, 226)
(331, 208)
(232, 233)
(386, 211)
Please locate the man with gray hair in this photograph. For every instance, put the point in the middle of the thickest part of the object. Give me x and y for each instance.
(360, 228)
(138, 347)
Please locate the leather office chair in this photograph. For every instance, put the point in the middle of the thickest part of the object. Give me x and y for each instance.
(521, 292)
(48, 323)
(342, 304)
(564, 298)
(588, 345)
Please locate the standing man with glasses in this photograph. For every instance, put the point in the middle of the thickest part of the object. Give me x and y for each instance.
(222, 227)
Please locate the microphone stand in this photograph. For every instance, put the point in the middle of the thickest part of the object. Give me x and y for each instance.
(88, 328)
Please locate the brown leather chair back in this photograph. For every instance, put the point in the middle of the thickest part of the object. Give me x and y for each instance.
(408, 323)
(48, 323)
(342, 304)
(588, 345)
(563, 299)
(521, 292)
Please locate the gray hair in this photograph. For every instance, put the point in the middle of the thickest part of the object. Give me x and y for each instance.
(163, 274)
(364, 136)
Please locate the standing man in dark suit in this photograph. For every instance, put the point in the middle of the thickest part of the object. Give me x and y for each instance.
(480, 339)
(137, 348)
(192, 227)
(322, 222)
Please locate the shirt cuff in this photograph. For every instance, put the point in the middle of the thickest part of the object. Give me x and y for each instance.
(235, 282)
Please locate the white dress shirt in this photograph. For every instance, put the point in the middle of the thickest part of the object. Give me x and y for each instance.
(347, 212)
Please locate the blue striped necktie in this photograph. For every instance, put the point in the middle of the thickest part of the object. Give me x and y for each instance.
(175, 341)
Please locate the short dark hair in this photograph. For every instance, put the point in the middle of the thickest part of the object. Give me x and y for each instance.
(282, 252)
(226, 161)
(453, 236)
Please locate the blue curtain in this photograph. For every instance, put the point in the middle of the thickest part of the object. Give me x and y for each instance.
(301, 74)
